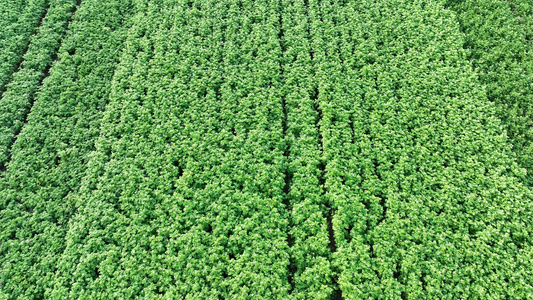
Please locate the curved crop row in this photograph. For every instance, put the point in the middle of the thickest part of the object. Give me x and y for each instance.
(500, 44)
(425, 190)
(184, 195)
(49, 156)
(19, 20)
(16, 101)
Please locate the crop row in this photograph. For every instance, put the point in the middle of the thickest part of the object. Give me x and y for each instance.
(499, 39)
(310, 269)
(50, 153)
(16, 101)
(18, 20)
(426, 192)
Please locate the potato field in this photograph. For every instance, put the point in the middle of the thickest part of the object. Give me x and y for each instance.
(266, 149)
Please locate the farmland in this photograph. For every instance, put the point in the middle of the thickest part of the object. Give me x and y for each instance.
(288, 149)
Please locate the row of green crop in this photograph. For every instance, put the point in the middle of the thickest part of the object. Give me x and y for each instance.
(310, 245)
(184, 195)
(499, 40)
(426, 192)
(18, 20)
(49, 156)
(16, 101)
(334, 29)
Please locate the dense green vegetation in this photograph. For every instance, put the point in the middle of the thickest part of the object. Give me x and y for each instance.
(523, 11)
(268, 149)
(20, 92)
(428, 199)
(499, 39)
(310, 260)
(186, 185)
(18, 20)
(50, 154)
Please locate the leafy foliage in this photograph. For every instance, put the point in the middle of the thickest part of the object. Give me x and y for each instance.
(49, 156)
(18, 20)
(184, 194)
(427, 196)
(311, 276)
(269, 149)
(499, 39)
(20, 92)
